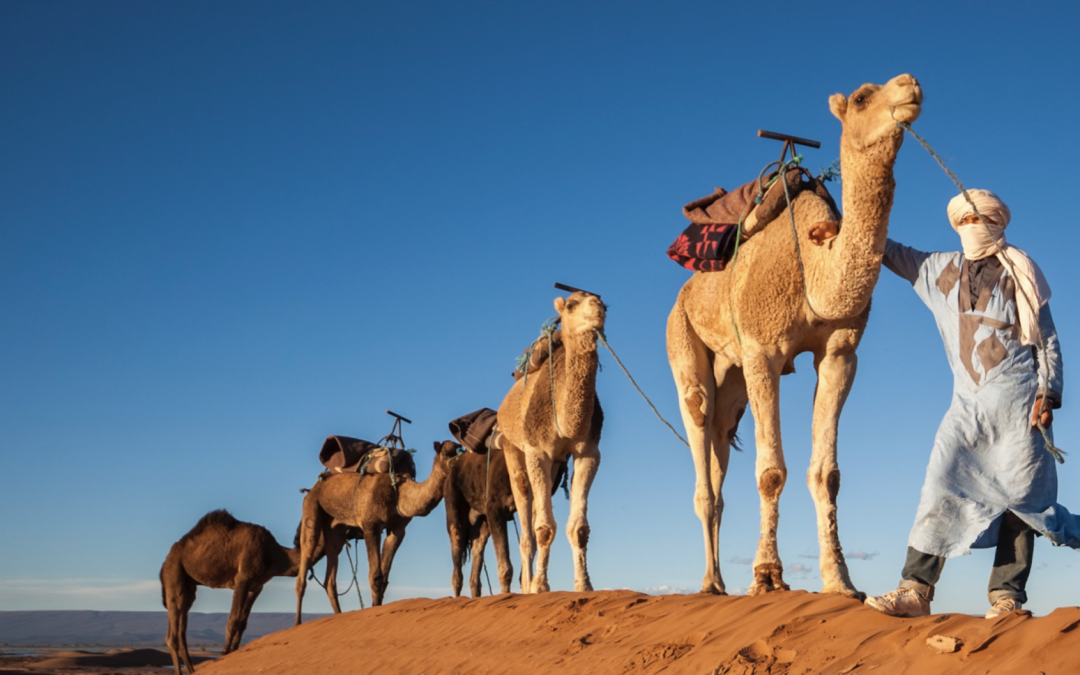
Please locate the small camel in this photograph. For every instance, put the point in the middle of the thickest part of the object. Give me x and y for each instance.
(220, 552)
(553, 416)
(479, 503)
(372, 504)
(731, 334)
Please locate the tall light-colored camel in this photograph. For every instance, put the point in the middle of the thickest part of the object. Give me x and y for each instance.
(220, 552)
(733, 333)
(555, 416)
(373, 504)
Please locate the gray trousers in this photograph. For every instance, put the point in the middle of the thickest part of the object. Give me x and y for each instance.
(1008, 578)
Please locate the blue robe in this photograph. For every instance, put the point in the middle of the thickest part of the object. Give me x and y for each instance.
(987, 458)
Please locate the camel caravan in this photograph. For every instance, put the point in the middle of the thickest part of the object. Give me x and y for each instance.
(726, 347)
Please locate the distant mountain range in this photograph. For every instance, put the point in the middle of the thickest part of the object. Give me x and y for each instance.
(127, 629)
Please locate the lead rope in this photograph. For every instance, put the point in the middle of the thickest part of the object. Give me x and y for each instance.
(603, 341)
(1055, 451)
(354, 565)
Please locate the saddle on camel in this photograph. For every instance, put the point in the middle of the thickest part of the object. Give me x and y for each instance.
(721, 219)
(343, 454)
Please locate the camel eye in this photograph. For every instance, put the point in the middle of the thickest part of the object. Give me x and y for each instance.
(571, 305)
(860, 99)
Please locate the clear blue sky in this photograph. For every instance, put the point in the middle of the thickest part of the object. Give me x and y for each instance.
(228, 230)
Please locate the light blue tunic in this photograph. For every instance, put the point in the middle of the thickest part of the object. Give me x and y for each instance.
(987, 458)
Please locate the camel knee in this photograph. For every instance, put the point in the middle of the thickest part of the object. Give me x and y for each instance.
(545, 534)
(707, 506)
(771, 483)
(825, 483)
(578, 536)
(695, 406)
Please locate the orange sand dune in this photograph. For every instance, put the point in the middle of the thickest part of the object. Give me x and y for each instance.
(627, 632)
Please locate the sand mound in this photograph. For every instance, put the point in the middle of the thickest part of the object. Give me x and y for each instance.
(627, 632)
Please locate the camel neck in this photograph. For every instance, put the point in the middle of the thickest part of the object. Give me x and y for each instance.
(288, 562)
(843, 288)
(575, 387)
(419, 499)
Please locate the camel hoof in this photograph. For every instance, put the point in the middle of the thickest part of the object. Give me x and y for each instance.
(713, 589)
(846, 592)
(768, 578)
(541, 586)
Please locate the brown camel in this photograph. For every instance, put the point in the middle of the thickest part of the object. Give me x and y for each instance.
(220, 552)
(371, 503)
(733, 333)
(479, 503)
(553, 416)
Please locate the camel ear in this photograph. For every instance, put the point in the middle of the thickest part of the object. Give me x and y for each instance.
(438, 447)
(560, 303)
(838, 105)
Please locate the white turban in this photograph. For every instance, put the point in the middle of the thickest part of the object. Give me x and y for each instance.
(987, 238)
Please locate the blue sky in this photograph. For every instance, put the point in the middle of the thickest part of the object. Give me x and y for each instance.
(228, 230)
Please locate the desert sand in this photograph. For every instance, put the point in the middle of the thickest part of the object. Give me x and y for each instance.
(787, 633)
(627, 632)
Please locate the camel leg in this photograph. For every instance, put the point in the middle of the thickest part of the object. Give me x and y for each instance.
(457, 528)
(836, 372)
(577, 526)
(239, 599)
(539, 469)
(480, 537)
(250, 596)
(523, 502)
(394, 537)
(762, 373)
(500, 542)
(730, 404)
(311, 526)
(333, 543)
(696, 385)
(376, 579)
(178, 603)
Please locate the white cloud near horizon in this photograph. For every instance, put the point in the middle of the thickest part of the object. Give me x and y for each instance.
(861, 555)
(81, 593)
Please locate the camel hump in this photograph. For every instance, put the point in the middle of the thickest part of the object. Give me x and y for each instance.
(216, 518)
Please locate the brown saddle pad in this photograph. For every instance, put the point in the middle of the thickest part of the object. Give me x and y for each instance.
(473, 430)
(344, 454)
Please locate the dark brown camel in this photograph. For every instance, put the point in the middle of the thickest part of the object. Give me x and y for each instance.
(479, 503)
(372, 504)
(220, 552)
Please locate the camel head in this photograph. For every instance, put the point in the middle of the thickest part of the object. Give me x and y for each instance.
(581, 313)
(870, 114)
(446, 450)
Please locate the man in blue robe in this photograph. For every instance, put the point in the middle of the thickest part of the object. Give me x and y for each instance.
(991, 480)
